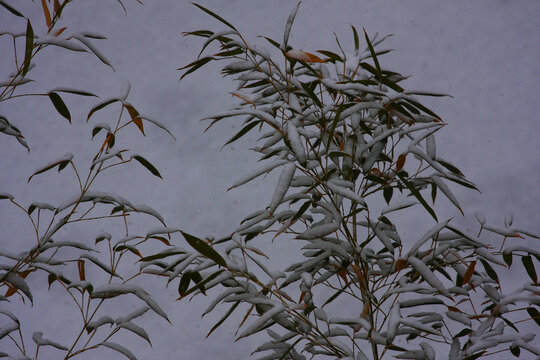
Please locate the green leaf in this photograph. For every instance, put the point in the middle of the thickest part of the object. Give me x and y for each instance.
(335, 295)
(356, 40)
(74, 91)
(61, 163)
(242, 132)
(529, 266)
(374, 56)
(535, 315)
(418, 196)
(223, 318)
(11, 10)
(507, 257)
(515, 350)
(184, 283)
(204, 249)
(200, 282)
(195, 65)
(475, 356)
(387, 194)
(450, 167)
(489, 270)
(331, 55)
(147, 165)
(214, 15)
(333, 127)
(28, 48)
(463, 332)
(100, 106)
(161, 255)
(273, 42)
(300, 211)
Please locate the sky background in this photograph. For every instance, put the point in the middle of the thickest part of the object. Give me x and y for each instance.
(486, 54)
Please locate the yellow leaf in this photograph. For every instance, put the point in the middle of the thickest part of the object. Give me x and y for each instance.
(400, 162)
(135, 117)
(469, 273)
(47, 13)
(304, 56)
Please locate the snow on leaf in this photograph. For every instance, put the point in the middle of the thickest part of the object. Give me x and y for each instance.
(161, 230)
(100, 264)
(399, 205)
(349, 194)
(319, 231)
(446, 190)
(57, 41)
(135, 329)
(114, 290)
(107, 156)
(394, 318)
(296, 143)
(262, 170)
(92, 48)
(282, 186)
(6, 329)
(430, 147)
(304, 56)
(17, 282)
(459, 317)
(120, 349)
(288, 27)
(40, 341)
(99, 322)
(428, 275)
(61, 162)
(429, 234)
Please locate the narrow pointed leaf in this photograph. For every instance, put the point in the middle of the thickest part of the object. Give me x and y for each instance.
(28, 48)
(374, 56)
(101, 106)
(418, 196)
(60, 105)
(204, 249)
(214, 15)
(147, 165)
(11, 10)
(135, 117)
(535, 315)
(529, 266)
(242, 132)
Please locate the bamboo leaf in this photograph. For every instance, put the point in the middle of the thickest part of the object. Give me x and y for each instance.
(214, 15)
(417, 195)
(223, 318)
(60, 105)
(10, 9)
(374, 56)
(135, 117)
(204, 249)
(200, 282)
(147, 165)
(184, 283)
(535, 315)
(28, 47)
(47, 13)
(489, 270)
(529, 267)
(242, 132)
(356, 40)
(101, 106)
(195, 65)
(469, 273)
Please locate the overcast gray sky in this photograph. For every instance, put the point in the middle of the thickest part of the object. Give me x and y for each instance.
(486, 54)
